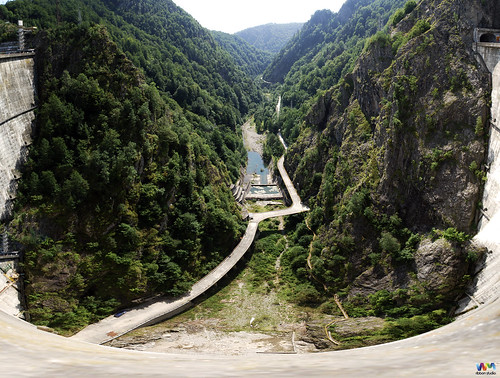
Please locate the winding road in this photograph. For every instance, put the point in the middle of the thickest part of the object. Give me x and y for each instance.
(162, 309)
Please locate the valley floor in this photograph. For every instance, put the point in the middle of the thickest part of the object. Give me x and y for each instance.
(253, 141)
(235, 321)
(250, 315)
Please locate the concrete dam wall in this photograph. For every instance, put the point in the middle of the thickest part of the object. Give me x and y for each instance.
(17, 102)
(487, 283)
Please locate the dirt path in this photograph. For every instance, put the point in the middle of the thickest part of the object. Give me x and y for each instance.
(236, 321)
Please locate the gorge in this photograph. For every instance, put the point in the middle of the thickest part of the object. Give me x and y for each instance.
(391, 161)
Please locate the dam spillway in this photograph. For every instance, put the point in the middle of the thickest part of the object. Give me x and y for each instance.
(17, 103)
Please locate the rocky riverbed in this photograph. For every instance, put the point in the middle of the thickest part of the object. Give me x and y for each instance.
(251, 139)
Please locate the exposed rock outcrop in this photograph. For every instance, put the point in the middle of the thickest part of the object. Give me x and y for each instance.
(398, 148)
(441, 266)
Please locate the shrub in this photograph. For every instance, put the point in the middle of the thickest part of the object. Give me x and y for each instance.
(389, 243)
(479, 126)
(420, 27)
(397, 16)
(306, 294)
(381, 38)
(410, 6)
(452, 234)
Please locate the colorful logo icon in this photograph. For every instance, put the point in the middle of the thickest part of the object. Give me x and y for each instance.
(486, 369)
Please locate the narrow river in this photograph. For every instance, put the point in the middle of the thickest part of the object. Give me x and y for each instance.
(256, 170)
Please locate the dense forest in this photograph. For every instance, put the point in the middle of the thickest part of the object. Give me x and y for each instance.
(167, 44)
(126, 191)
(250, 59)
(270, 37)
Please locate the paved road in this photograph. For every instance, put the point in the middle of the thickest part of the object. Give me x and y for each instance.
(159, 310)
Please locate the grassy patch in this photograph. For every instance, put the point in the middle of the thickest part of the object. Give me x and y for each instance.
(264, 206)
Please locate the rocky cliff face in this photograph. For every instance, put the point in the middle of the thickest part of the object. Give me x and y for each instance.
(397, 150)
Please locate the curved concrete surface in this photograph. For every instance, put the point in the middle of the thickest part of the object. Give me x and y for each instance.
(452, 351)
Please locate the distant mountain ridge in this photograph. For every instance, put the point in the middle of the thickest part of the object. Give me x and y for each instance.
(270, 37)
(250, 59)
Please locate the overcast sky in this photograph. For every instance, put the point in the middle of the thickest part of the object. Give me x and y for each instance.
(231, 16)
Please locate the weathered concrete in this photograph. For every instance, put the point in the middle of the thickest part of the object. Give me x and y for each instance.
(17, 101)
(490, 53)
(486, 285)
(264, 192)
(451, 351)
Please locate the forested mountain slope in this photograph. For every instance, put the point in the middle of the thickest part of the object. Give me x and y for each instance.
(391, 161)
(270, 37)
(172, 49)
(126, 190)
(249, 58)
(326, 43)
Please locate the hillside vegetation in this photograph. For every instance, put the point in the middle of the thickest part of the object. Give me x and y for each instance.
(390, 158)
(327, 47)
(250, 59)
(269, 37)
(126, 191)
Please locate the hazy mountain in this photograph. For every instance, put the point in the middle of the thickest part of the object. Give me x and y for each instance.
(249, 58)
(328, 35)
(270, 37)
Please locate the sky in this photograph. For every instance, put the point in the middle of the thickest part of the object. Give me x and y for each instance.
(231, 16)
